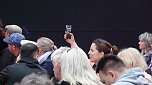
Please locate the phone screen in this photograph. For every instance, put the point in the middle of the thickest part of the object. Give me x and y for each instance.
(68, 28)
(68, 31)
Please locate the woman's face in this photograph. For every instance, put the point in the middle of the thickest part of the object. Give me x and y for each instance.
(94, 54)
(142, 45)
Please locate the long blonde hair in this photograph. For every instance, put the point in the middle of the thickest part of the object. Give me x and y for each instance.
(131, 56)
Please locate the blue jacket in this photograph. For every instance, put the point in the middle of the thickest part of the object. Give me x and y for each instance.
(46, 62)
(133, 76)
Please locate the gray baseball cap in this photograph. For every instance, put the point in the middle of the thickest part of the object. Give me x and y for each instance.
(13, 29)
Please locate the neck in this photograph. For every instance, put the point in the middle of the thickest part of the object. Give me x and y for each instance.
(146, 50)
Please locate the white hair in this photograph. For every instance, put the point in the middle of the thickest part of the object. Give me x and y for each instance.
(27, 41)
(57, 54)
(131, 56)
(76, 67)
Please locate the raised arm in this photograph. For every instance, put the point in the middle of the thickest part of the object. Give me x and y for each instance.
(70, 40)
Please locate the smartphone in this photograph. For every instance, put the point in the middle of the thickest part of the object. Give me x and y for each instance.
(68, 28)
(68, 31)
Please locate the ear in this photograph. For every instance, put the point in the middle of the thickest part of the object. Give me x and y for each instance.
(112, 74)
(7, 34)
(36, 55)
(40, 52)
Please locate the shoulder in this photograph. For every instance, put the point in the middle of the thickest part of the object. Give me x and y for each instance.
(14, 66)
(122, 83)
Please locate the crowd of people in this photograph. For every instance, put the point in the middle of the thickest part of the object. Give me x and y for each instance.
(26, 62)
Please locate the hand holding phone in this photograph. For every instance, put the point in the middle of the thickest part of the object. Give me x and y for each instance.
(68, 31)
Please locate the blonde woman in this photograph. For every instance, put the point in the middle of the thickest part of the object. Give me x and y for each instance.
(132, 58)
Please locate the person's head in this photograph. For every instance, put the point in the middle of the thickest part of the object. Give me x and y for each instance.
(45, 44)
(145, 42)
(56, 57)
(132, 58)
(1, 23)
(9, 29)
(27, 41)
(99, 48)
(110, 68)
(13, 42)
(35, 79)
(76, 67)
(29, 51)
(2, 31)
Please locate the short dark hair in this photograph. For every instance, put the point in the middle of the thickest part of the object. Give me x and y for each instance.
(28, 50)
(110, 61)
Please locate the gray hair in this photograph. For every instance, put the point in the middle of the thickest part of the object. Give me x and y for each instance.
(147, 38)
(13, 29)
(45, 44)
(35, 79)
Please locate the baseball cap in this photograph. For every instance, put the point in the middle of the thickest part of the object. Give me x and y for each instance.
(14, 39)
(27, 41)
(13, 29)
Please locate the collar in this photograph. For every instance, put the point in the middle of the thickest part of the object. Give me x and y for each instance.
(43, 57)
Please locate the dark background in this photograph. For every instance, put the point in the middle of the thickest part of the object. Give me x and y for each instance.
(118, 21)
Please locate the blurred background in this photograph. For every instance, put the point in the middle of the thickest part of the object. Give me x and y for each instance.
(118, 21)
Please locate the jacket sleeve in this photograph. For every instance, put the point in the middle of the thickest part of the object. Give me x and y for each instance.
(4, 76)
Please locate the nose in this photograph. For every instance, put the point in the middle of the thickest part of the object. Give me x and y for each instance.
(139, 42)
(89, 52)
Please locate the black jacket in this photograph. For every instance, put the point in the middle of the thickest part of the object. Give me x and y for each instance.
(6, 58)
(15, 72)
(149, 63)
(56, 82)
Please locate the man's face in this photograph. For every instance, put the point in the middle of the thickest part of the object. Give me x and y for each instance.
(11, 48)
(107, 78)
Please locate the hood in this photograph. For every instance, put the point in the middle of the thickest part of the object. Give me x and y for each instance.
(133, 76)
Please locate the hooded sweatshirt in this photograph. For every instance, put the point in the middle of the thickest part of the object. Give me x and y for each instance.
(133, 76)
